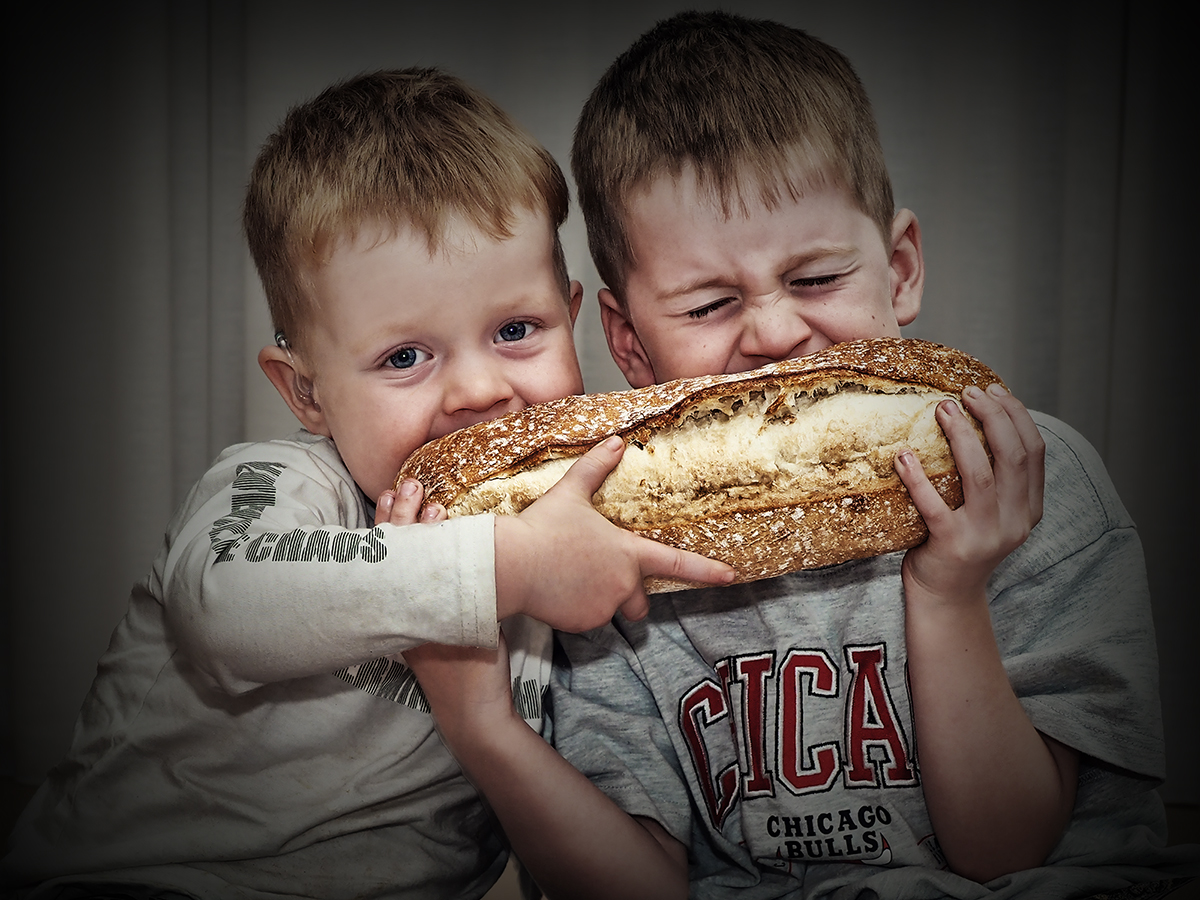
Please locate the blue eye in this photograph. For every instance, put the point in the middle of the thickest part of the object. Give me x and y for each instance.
(406, 357)
(515, 331)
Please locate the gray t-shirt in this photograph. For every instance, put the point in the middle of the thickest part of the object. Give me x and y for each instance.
(769, 726)
(219, 755)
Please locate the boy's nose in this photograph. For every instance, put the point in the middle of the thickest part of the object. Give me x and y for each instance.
(773, 331)
(475, 385)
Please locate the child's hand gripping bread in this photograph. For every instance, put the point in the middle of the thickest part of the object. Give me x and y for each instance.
(786, 467)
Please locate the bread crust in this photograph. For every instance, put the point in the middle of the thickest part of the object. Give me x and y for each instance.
(846, 503)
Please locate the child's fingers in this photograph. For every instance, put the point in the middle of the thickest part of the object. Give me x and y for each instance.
(965, 545)
(434, 512)
(589, 471)
(401, 506)
(1018, 473)
(1033, 446)
(383, 507)
(925, 498)
(974, 467)
(1009, 463)
(663, 561)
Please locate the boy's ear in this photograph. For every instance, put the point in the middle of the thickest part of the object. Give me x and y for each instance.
(623, 342)
(575, 301)
(907, 267)
(294, 387)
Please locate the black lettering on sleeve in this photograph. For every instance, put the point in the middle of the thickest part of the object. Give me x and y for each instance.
(253, 491)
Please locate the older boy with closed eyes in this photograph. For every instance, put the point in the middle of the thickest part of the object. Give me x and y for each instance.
(974, 718)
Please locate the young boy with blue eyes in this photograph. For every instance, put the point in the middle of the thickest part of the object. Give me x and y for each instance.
(974, 718)
(406, 235)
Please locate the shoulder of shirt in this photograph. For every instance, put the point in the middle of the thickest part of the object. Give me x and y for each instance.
(1070, 456)
(300, 442)
(1080, 506)
(312, 457)
(299, 449)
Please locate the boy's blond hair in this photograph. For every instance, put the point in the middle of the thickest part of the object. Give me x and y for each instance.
(729, 97)
(412, 147)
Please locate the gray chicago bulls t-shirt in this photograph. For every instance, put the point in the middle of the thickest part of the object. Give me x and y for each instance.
(769, 726)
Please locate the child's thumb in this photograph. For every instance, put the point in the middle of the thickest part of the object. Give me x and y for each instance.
(589, 471)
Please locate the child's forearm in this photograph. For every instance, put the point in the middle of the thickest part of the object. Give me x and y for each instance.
(259, 617)
(999, 793)
(574, 840)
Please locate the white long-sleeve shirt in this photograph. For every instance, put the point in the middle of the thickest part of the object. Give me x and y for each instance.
(218, 754)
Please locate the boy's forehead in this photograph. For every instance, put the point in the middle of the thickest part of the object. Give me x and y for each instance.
(691, 191)
(454, 233)
(398, 251)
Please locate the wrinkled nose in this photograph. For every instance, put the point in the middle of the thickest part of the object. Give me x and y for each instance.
(773, 330)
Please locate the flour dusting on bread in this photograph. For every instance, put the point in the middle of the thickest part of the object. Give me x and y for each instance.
(784, 467)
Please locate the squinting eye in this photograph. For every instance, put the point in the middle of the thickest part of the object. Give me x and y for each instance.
(819, 281)
(515, 331)
(705, 310)
(407, 357)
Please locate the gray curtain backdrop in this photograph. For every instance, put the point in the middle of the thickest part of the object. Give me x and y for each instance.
(1041, 145)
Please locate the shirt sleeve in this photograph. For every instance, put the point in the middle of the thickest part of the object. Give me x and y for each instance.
(608, 726)
(274, 571)
(1071, 613)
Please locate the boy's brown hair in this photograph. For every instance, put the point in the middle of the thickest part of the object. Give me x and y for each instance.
(411, 147)
(730, 97)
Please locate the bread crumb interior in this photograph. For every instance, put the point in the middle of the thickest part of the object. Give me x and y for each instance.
(748, 452)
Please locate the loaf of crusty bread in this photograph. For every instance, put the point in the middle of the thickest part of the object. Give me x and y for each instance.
(785, 467)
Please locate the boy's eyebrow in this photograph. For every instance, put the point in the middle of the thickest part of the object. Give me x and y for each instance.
(800, 259)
